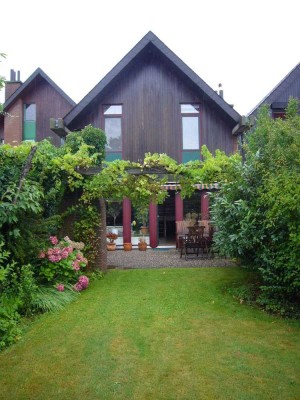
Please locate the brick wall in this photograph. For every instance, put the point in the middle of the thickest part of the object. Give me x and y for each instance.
(13, 124)
(10, 88)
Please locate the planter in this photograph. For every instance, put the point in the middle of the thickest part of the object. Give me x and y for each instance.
(144, 230)
(142, 246)
(111, 246)
(127, 246)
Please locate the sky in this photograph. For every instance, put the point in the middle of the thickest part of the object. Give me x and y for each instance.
(247, 45)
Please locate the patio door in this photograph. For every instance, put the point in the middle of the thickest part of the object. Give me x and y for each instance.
(166, 220)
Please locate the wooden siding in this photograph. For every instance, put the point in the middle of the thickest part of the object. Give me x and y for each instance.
(151, 92)
(49, 104)
(292, 89)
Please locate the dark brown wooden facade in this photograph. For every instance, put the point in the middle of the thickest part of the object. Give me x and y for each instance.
(151, 85)
(50, 102)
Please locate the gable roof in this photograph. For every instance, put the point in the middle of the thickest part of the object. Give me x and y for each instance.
(148, 39)
(282, 91)
(38, 72)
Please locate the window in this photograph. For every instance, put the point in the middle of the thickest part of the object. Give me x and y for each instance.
(279, 114)
(29, 128)
(113, 127)
(190, 114)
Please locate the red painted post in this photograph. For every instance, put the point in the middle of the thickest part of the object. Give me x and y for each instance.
(204, 205)
(126, 221)
(153, 225)
(178, 207)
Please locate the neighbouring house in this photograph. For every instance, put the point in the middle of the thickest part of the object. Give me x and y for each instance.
(151, 101)
(278, 98)
(29, 106)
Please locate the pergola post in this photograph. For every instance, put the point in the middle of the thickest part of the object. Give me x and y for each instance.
(153, 225)
(204, 205)
(126, 220)
(178, 207)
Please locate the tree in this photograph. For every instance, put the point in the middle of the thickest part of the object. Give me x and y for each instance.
(258, 214)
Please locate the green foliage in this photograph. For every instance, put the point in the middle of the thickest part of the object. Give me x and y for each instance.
(17, 291)
(9, 329)
(258, 214)
(93, 137)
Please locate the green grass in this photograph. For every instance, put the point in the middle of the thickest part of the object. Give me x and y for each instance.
(156, 334)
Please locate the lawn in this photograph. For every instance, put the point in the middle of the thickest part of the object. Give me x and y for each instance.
(156, 334)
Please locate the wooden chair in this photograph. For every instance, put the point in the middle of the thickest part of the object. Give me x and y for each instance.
(191, 246)
(181, 230)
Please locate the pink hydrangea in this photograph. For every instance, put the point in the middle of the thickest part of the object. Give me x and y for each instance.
(53, 240)
(80, 258)
(83, 283)
(76, 265)
(78, 287)
(64, 253)
(42, 254)
(60, 287)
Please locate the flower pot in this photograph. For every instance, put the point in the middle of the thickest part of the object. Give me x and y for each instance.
(127, 246)
(111, 246)
(142, 246)
(144, 230)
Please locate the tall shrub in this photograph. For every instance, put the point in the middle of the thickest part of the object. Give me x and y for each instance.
(258, 215)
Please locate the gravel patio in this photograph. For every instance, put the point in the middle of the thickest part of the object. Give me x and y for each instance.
(160, 258)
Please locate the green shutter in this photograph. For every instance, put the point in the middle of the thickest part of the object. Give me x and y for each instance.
(111, 156)
(190, 156)
(29, 132)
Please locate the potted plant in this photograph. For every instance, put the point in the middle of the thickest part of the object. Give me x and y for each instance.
(142, 214)
(111, 245)
(142, 245)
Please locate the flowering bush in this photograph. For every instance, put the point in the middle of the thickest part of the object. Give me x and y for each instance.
(62, 262)
(83, 283)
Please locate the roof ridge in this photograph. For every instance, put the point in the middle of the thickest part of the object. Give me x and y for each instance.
(150, 37)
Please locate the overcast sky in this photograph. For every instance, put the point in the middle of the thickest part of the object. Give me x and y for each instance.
(248, 46)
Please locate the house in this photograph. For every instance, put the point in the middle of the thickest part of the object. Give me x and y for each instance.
(29, 106)
(278, 98)
(151, 101)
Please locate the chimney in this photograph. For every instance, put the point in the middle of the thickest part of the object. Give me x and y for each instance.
(221, 93)
(12, 85)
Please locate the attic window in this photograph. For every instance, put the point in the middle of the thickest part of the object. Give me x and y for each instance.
(190, 126)
(189, 108)
(113, 127)
(113, 110)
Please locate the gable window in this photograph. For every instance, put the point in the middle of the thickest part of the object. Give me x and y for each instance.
(190, 114)
(29, 126)
(113, 130)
